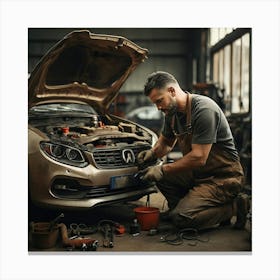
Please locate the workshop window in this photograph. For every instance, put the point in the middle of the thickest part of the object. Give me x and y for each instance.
(221, 67)
(217, 34)
(236, 76)
(231, 69)
(245, 72)
(216, 66)
(227, 78)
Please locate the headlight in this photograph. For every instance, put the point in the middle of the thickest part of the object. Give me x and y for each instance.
(64, 154)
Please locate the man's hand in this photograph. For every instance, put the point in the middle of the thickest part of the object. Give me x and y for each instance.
(146, 157)
(154, 173)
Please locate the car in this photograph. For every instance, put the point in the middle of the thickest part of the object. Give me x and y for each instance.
(148, 116)
(79, 155)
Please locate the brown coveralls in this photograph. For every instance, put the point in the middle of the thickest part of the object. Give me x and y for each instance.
(203, 197)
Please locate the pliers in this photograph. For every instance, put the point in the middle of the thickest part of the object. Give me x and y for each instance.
(81, 229)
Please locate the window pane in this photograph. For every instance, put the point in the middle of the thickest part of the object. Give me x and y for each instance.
(236, 81)
(222, 33)
(214, 36)
(229, 30)
(221, 69)
(245, 72)
(216, 68)
(227, 78)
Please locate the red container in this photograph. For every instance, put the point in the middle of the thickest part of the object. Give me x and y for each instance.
(65, 130)
(147, 217)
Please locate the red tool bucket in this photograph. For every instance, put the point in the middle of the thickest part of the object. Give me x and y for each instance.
(147, 217)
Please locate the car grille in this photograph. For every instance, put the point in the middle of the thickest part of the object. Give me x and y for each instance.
(113, 158)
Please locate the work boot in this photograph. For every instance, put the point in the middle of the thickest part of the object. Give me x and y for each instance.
(243, 206)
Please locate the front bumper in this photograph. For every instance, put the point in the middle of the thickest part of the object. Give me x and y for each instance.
(85, 204)
(92, 185)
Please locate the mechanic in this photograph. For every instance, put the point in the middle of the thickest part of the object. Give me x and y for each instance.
(202, 188)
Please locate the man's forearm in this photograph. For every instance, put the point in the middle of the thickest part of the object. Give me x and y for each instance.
(163, 147)
(186, 163)
(160, 150)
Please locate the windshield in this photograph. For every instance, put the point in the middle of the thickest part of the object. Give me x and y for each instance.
(62, 107)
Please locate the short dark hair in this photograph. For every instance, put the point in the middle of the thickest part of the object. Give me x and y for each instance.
(158, 80)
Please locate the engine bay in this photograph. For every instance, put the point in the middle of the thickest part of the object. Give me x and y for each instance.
(93, 132)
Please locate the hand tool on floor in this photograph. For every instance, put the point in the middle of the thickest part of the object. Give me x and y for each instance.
(108, 240)
(134, 228)
(54, 221)
(108, 228)
(77, 243)
(81, 229)
(118, 228)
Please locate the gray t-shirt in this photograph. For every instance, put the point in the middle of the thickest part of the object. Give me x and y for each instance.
(209, 125)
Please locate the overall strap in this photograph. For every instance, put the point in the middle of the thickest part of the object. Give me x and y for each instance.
(189, 111)
(188, 117)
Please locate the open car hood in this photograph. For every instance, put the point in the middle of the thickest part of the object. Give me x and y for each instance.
(86, 67)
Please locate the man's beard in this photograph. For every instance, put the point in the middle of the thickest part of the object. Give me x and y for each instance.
(172, 108)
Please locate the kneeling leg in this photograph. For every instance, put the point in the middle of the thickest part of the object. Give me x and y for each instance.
(203, 207)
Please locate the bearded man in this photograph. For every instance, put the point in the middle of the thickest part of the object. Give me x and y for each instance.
(202, 187)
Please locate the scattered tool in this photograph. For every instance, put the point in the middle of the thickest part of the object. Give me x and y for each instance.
(177, 238)
(119, 229)
(78, 242)
(108, 241)
(135, 228)
(54, 221)
(152, 232)
(81, 229)
(108, 228)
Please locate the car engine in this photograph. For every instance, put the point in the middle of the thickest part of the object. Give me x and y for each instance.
(90, 133)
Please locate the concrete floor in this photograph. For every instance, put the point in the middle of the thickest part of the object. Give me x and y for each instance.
(220, 239)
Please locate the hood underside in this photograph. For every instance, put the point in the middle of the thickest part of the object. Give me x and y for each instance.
(84, 67)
